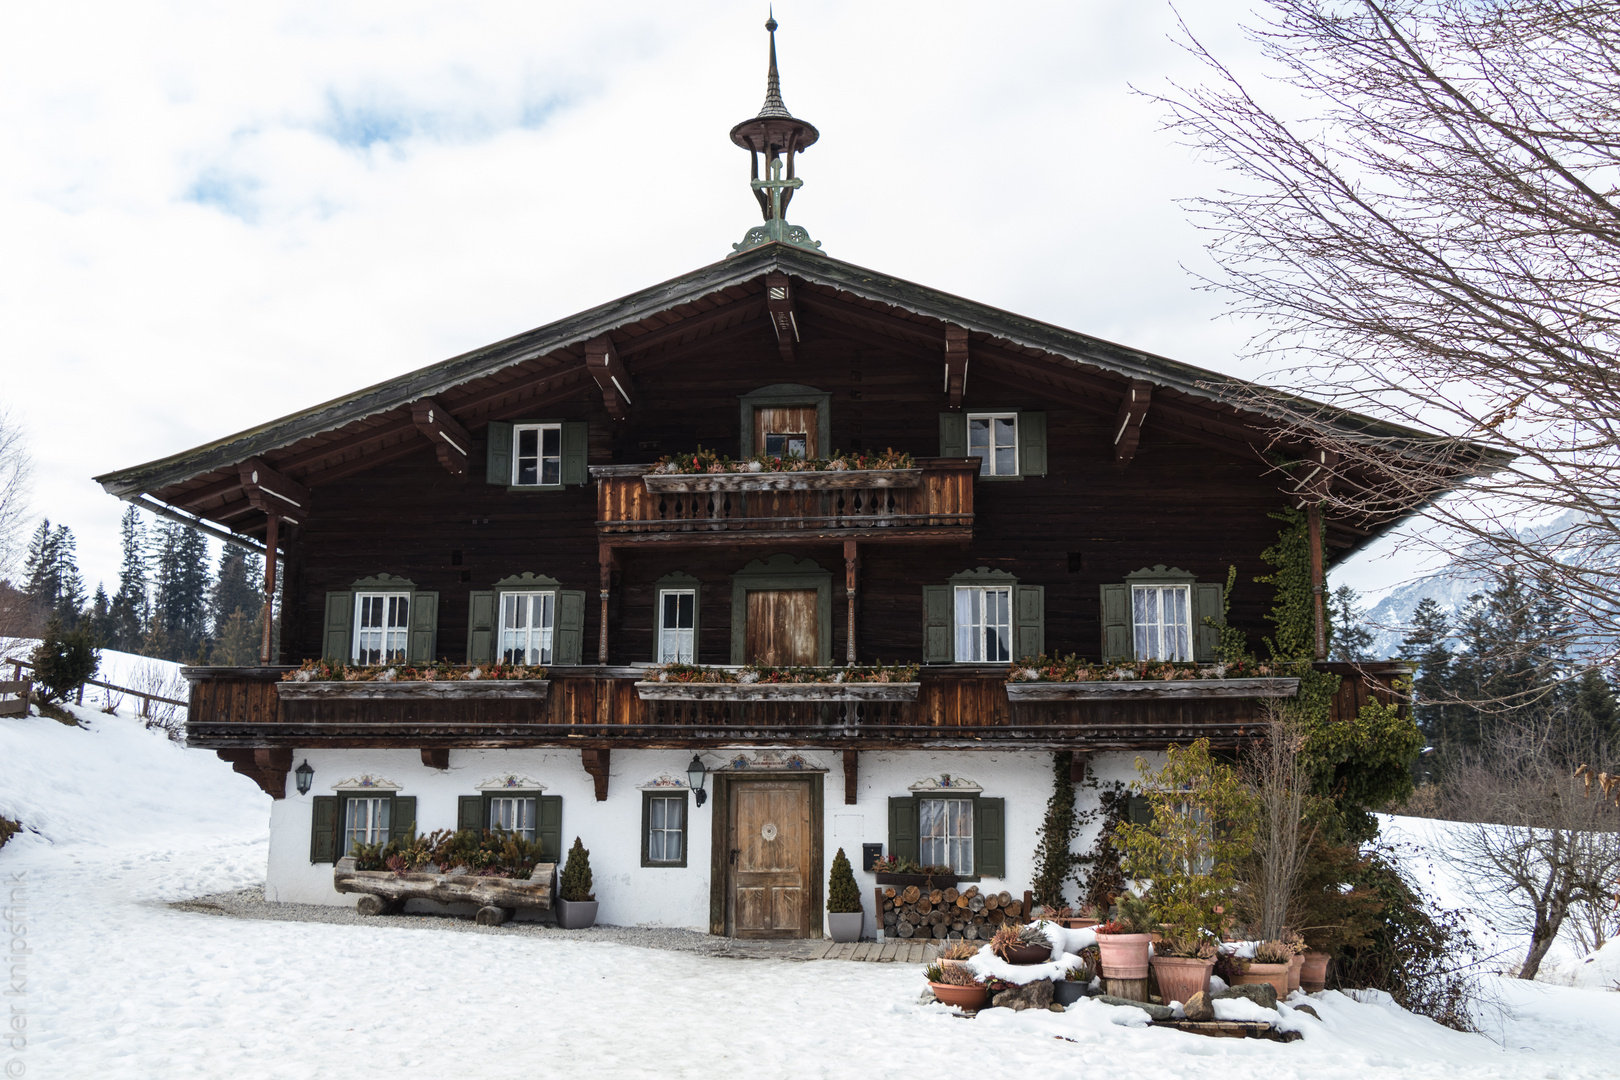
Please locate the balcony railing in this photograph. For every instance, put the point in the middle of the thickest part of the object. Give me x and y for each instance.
(933, 501)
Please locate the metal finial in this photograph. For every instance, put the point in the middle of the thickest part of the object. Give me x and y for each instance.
(773, 82)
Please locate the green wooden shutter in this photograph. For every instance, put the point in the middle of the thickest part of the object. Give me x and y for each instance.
(1030, 613)
(323, 829)
(990, 837)
(498, 454)
(903, 828)
(480, 627)
(548, 827)
(402, 819)
(575, 450)
(424, 627)
(470, 813)
(570, 628)
(1032, 444)
(1116, 623)
(953, 434)
(339, 622)
(938, 647)
(1207, 601)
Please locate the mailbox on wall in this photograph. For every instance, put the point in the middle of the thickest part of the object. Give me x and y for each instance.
(870, 854)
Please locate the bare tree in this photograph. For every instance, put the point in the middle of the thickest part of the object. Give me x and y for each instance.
(1533, 841)
(1424, 215)
(15, 469)
(1278, 784)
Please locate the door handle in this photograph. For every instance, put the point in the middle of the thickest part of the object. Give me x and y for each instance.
(734, 853)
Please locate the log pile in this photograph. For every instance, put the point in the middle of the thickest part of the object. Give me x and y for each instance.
(911, 912)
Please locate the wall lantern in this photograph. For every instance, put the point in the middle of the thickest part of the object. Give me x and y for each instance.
(695, 773)
(305, 774)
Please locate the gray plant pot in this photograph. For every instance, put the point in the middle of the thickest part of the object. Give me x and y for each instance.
(845, 925)
(1065, 992)
(575, 914)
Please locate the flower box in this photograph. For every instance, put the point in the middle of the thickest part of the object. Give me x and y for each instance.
(417, 690)
(783, 691)
(1142, 689)
(805, 480)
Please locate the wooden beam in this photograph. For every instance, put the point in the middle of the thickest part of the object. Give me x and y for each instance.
(852, 760)
(852, 565)
(606, 559)
(880, 321)
(316, 455)
(612, 377)
(207, 493)
(436, 757)
(271, 527)
(746, 308)
(265, 767)
(271, 492)
(779, 302)
(1128, 425)
(450, 440)
(596, 763)
(1077, 767)
(956, 364)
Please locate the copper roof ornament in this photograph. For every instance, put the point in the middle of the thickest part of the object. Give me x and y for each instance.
(775, 134)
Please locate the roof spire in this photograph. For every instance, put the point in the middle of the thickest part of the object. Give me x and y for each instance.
(775, 133)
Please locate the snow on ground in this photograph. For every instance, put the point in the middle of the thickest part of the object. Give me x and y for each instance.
(115, 984)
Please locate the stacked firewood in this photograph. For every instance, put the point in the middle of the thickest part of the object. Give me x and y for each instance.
(943, 913)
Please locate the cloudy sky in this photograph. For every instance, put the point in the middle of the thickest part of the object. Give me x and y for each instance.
(218, 214)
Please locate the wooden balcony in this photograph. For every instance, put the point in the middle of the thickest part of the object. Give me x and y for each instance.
(932, 502)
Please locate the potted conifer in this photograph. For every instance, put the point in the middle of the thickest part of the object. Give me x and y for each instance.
(576, 904)
(845, 916)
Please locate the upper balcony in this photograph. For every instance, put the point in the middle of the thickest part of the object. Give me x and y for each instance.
(931, 502)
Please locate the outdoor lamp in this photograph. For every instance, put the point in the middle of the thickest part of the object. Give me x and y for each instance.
(304, 774)
(695, 773)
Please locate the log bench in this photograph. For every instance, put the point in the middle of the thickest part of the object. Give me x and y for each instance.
(383, 892)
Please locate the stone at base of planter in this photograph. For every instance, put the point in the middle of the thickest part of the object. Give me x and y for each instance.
(1275, 975)
(1035, 995)
(845, 925)
(575, 914)
(1262, 992)
(1156, 1012)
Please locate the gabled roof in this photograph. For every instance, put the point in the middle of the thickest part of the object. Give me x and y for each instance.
(675, 318)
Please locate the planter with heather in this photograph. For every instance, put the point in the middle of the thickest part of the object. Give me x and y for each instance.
(1040, 678)
(318, 680)
(693, 682)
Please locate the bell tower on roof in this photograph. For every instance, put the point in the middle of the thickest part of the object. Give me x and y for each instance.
(777, 136)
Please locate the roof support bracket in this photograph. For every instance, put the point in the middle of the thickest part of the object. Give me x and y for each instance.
(956, 363)
(611, 376)
(779, 302)
(271, 492)
(1128, 426)
(451, 443)
(1314, 485)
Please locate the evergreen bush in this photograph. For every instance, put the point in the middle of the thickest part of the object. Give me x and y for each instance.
(64, 660)
(576, 876)
(843, 896)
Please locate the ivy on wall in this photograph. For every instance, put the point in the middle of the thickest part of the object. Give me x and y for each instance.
(1054, 861)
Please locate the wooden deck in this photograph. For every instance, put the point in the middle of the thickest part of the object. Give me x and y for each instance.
(876, 952)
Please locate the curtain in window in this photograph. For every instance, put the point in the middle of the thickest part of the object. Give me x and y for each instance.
(513, 814)
(666, 819)
(1163, 621)
(382, 628)
(365, 821)
(526, 627)
(676, 621)
(983, 625)
(945, 833)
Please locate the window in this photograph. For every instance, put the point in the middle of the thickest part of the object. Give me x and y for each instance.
(513, 813)
(527, 619)
(382, 623)
(536, 454)
(983, 624)
(784, 420)
(784, 444)
(366, 820)
(993, 439)
(663, 827)
(677, 626)
(945, 834)
(1161, 616)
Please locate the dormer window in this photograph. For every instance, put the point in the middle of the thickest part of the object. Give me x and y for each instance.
(537, 454)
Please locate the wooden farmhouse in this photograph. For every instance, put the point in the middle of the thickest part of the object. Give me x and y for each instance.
(979, 488)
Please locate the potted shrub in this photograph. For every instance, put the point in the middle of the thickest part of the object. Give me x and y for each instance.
(844, 913)
(1075, 984)
(576, 904)
(1271, 962)
(957, 986)
(1021, 944)
(957, 953)
(1122, 942)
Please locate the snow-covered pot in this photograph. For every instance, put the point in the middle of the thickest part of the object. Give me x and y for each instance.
(1124, 956)
(1293, 971)
(1180, 977)
(1313, 973)
(575, 914)
(1275, 974)
(1026, 954)
(966, 997)
(845, 925)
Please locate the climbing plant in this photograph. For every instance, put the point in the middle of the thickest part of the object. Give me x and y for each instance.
(1053, 860)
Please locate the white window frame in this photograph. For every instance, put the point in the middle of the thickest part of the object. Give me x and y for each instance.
(389, 633)
(970, 634)
(987, 464)
(951, 847)
(1158, 639)
(540, 456)
(541, 638)
(678, 800)
(520, 810)
(377, 823)
(685, 651)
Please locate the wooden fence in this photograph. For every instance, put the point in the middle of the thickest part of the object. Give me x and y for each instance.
(17, 679)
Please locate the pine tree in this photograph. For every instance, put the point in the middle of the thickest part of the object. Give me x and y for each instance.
(843, 895)
(70, 599)
(236, 643)
(180, 607)
(1351, 641)
(1426, 644)
(1596, 717)
(40, 582)
(130, 609)
(100, 623)
(236, 588)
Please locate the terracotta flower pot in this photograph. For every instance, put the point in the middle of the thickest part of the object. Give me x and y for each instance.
(1124, 956)
(1313, 973)
(966, 997)
(1026, 954)
(1180, 977)
(1275, 974)
(1294, 967)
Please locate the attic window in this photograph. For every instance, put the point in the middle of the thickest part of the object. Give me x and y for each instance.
(537, 454)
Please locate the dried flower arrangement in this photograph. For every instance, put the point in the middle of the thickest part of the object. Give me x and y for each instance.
(1072, 668)
(1273, 952)
(338, 671)
(707, 461)
(754, 673)
(890, 864)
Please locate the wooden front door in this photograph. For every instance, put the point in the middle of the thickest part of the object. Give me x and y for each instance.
(771, 860)
(783, 630)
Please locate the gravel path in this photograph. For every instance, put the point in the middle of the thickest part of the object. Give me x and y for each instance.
(251, 904)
